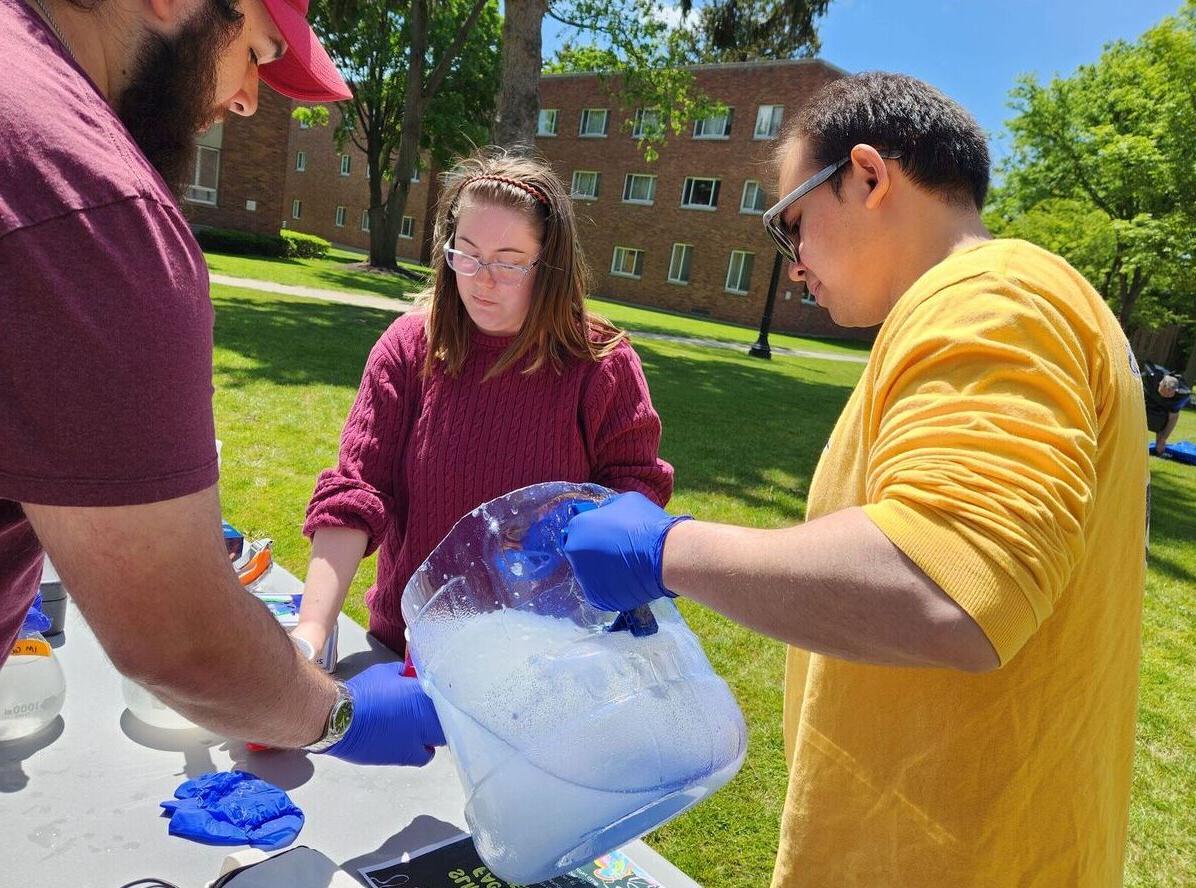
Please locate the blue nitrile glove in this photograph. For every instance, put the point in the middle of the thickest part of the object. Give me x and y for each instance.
(394, 722)
(234, 808)
(616, 551)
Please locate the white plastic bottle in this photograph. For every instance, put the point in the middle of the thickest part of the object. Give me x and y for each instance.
(32, 686)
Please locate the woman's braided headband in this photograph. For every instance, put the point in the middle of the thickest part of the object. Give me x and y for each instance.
(514, 183)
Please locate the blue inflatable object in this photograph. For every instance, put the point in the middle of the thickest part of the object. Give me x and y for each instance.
(1184, 452)
(234, 808)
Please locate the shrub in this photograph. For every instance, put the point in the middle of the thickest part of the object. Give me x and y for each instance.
(305, 246)
(242, 243)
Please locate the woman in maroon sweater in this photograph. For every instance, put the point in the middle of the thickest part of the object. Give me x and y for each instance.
(501, 379)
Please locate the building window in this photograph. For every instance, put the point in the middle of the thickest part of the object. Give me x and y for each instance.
(414, 180)
(739, 272)
(296, 208)
(407, 227)
(205, 174)
(716, 127)
(303, 124)
(300, 161)
(593, 123)
(346, 163)
(679, 263)
(340, 217)
(768, 121)
(585, 185)
(205, 177)
(365, 220)
(701, 194)
(807, 298)
(639, 189)
(646, 123)
(753, 197)
(546, 125)
(627, 262)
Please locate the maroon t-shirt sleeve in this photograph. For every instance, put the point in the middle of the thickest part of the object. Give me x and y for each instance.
(105, 359)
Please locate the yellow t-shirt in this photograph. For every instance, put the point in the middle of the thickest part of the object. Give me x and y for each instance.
(997, 439)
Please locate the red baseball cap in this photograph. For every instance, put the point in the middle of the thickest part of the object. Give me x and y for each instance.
(305, 71)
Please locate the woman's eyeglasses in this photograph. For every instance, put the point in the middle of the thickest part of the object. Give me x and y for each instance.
(503, 272)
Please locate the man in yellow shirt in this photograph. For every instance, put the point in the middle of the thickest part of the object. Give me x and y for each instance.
(963, 603)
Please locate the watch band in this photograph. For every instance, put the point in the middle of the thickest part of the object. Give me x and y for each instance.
(340, 716)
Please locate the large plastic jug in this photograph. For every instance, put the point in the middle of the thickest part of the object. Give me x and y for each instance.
(570, 739)
(32, 687)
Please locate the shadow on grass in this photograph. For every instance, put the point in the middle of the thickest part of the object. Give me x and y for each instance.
(1172, 519)
(295, 343)
(732, 424)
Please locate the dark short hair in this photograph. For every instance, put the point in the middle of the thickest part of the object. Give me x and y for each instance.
(942, 146)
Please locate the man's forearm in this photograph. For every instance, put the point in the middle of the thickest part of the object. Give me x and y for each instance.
(836, 585)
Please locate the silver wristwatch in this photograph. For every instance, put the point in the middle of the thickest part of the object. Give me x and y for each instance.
(340, 716)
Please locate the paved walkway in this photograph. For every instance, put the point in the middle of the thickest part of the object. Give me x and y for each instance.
(399, 306)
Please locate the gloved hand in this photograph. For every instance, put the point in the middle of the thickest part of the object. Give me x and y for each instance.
(616, 551)
(394, 722)
(234, 808)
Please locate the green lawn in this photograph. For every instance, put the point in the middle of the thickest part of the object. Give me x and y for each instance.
(744, 436)
(333, 273)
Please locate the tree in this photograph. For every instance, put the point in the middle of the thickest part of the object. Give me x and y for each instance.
(423, 75)
(1101, 170)
(642, 54)
(745, 30)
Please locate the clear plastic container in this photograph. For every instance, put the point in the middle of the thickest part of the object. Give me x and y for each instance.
(150, 710)
(570, 739)
(32, 686)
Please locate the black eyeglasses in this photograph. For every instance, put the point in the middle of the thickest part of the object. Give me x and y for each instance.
(774, 221)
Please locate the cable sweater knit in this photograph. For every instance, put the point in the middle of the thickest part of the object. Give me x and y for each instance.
(418, 453)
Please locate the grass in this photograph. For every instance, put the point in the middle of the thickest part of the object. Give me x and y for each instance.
(333, 273)
(744, 436)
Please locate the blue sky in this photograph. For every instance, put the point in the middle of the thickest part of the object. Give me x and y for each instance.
(973, 50)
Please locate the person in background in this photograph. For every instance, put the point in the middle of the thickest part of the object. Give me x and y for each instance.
(501, 380)
(107, 451)
(963, 604)
(1166, 394)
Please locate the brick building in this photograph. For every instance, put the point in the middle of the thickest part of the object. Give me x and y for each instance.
(266, 172)
(682, 233)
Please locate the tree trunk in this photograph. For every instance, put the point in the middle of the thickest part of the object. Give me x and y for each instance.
(519, 95)
(1129, 297)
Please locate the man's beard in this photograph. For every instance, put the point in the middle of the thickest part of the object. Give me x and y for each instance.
(171, 96)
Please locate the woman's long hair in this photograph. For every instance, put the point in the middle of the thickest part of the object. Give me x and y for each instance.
(557, 326)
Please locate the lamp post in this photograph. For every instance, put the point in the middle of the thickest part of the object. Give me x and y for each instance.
(760, 348)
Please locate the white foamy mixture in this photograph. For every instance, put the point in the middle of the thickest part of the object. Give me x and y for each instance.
(561, 731)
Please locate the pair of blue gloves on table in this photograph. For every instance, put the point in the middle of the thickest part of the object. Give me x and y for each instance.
(615, 550)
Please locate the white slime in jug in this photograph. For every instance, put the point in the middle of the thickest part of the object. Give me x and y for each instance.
(556, 724)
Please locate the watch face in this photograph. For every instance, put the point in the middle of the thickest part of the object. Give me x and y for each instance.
(342, 714)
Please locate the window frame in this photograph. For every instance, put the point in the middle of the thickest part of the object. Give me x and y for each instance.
(728, 120)
(687, 252)
(556, 123)
(407, 224)
(752, 211)
(339, 215)
(195, 186)
(768, 135)
(365, 219)
(730, 264)
(637, 123)
(714, 193)
(346, 164)
(584, 118)
(301, 161)
(643, 202)
(575, 194)
(296, 208)
(638, 261)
